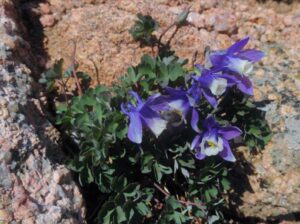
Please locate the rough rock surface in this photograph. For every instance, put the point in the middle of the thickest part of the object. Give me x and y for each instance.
(34, 186)
(101, 31)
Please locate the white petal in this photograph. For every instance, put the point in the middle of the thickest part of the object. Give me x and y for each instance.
(156, 125)
(243, 67)
(177, 104)
(220, 143)
(212, 150)
(218, 86)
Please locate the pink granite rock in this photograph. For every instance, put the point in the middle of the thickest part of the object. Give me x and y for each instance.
(30, 153)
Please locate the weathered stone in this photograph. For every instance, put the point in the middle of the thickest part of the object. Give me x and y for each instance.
(47, 20)
(45, 8)
(28, 142)
(5, 216)
(61, 175)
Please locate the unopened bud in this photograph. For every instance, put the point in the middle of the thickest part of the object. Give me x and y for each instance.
(181, 18)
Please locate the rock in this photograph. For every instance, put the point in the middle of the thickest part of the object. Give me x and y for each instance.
(101, 38)
(204, 4)
(288, 20)
(13, 107)
(5, 216)
(50, 198)
(28, 221)
(62, 175)
(47, 20)
(44, 8)
(29, 144)
(4, 114)
(196, 19)
(224, 22)
(6, 157)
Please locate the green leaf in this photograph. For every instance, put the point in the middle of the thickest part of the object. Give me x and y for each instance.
(255, 131)
(50, 86)
(106, 211)
(75, 165)
(213, 191)
(143, 28)
(226, 184)
(131, 190)
(173, 203)
(58, 67)
(147, 161)
(167, 60)
(157, 172)
(86, 176)
(241, 113)
(160, 169)
(62, 108)
(118, 183)
(142, 208)
(148, 60)
(165, 169)
(185, 172)
(133, 77)
(145, 85)
(190, 163)
(83, 76)
(207, 196)
(121, 216)
(68, 72)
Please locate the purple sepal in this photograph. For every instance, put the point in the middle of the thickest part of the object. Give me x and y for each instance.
(144, 114)
(214, 140)
(227, 154)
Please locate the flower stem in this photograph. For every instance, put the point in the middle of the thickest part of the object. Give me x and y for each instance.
(184, 202)
(73, 69)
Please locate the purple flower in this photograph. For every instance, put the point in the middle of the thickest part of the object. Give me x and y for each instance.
(237, 61)
(144, 114)
(180, 101)
(210, 85)
(214, 140)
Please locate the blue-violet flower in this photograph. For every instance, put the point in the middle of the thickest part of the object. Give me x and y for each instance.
(237, 61)
(144, 114)
(210, 85)
(214, 140)
(179, 100)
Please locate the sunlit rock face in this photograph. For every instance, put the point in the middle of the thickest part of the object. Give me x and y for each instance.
(34, 185)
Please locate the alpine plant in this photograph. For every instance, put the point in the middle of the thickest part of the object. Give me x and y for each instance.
(226, 69)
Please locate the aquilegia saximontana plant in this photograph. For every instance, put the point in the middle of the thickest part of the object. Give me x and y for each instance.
(228, 69)
(159, 143)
